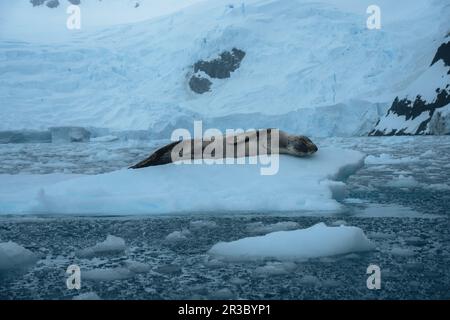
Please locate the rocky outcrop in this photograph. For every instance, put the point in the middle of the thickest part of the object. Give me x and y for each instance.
(421, 115)
(220, 68)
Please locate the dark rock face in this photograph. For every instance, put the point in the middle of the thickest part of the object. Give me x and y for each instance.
(413, 109)
(36, 3)
(443, 54)
(52, 3)
(199, 85)
(219, 68)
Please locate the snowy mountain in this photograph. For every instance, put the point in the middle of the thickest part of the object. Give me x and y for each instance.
(311, 67)
(425, 108)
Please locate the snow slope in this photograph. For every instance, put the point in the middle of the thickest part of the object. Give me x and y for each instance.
(422, 107)
(299, 54)
(314, 242)
(304, 184)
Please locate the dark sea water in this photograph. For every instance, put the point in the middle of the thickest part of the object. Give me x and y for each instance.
(400, 198)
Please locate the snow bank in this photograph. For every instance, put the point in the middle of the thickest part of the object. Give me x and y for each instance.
(111, 245)
(14, 256)
(298, 185)
(314, 242)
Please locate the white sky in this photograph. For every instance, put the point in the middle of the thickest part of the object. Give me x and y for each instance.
(20, 20)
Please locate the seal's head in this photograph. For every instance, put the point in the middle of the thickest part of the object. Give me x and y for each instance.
(300, 146)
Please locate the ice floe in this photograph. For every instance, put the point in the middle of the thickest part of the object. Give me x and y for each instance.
(314, 242)
(112, 245)
(178, 235)
(300, 184)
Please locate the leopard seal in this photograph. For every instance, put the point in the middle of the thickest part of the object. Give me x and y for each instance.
(248, 144)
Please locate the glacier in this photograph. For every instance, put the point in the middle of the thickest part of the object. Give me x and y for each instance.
(303, 59)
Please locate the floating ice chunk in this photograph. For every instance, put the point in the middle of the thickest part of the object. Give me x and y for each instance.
(107, 274)
(428, 154)
(259, 227)
(388, 159)
(108, 138)
(353, 201)
(298, 186)
(69, 134)
(276, 268)
(436, 186)
(397, 251)
(14, 257)
(314, 242)
(382, 210)
(403, 182)
(112, 245)
(137, 267)
(202, 224)
(178, 235)
(87, 296)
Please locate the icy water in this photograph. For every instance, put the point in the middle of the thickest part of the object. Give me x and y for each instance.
(399, 198)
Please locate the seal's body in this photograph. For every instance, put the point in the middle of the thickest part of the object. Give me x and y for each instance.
(248, 144)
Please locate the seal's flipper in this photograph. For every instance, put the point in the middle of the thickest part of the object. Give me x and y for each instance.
(159, 157)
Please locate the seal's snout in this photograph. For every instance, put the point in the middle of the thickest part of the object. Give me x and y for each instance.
(300, 146)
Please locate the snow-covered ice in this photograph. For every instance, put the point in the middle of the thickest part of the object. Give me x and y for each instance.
(300, 184)
(314, 242)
